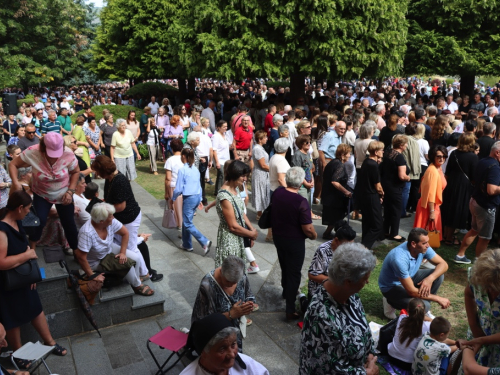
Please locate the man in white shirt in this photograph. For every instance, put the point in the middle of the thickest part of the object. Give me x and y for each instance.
(380, 111)
(450, 105)
(154, 106)
(209, 114)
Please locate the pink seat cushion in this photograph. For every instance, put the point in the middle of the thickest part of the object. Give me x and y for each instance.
(171, 339)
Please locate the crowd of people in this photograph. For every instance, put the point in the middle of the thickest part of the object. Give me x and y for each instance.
(375, 151)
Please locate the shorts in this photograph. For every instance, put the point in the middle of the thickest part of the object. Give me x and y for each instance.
(483, 220)
(243, 155)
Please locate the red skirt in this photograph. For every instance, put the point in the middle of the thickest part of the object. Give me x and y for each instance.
(422, 218)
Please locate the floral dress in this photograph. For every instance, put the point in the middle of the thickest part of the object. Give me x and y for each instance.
(489, 321)
(336, 338)
(94, 137)
(227, 242)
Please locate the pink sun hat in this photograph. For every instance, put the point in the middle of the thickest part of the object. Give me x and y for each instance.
(54, 144)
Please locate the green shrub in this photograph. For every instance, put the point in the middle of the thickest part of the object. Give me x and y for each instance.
(151, 88)
(275, 84)
(26, 100)
(449, 81)
(143, 151)
(118, 111)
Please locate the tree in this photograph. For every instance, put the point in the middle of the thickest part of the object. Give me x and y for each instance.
(460, 39)
(40, 40)
(281, 38)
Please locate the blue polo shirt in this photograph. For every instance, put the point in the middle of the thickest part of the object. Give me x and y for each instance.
(49, 126)
(331, 140)
(399, 264)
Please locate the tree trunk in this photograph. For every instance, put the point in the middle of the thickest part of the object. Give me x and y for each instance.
(297, 87)
(191, 86)
(319, 79)
(467, 85)
(183, 90)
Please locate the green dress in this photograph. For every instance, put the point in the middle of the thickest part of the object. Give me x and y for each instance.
(79, 135)
(227, 242)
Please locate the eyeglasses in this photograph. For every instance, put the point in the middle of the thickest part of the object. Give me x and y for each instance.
(441, 157)
(30, 132)
(308, 127)
(74, 142)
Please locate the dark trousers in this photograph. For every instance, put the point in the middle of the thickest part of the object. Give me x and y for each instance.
(107, 151)
(392, 211)
(144, 249)
(219, 181)
(66, 215)
(414, 195)
(203, 168)
(371, 225)
(398, 296)
(291, 253)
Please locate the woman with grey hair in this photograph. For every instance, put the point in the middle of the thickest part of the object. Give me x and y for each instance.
(122, 150)
(193, 140)
(336, 338)
(278, 165)
(95, 241)
(275, 133)
(226, 290)
(291, 225)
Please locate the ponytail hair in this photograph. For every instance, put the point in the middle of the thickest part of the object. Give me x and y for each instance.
(411, 326)
(16, 199)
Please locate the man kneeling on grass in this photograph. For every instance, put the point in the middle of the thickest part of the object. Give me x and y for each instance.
(401, 278)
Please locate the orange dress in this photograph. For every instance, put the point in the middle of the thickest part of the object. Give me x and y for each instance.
(431, 190)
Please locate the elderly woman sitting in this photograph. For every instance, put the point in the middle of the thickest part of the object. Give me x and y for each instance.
(216, 343)
(336, 338)
(95, 241)
(226, 290)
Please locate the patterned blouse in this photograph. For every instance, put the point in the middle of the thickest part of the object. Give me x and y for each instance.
(4, 193)
(336, 338)
(319, 265)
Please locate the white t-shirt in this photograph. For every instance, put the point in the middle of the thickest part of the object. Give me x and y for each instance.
(151, 137)
(221, 145)
(205, 145)
(277, 164)
(399, 350)
(452, 107)
(90, 242)
(423, 146)
(154, 108)
(83, 216)
(173, 164)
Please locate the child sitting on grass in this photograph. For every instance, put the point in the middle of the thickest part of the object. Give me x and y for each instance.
(431, 355)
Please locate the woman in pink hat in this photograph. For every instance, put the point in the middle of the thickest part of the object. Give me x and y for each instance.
(55, 176)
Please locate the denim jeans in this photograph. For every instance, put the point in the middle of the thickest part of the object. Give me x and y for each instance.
(189, 205)
(406, 195)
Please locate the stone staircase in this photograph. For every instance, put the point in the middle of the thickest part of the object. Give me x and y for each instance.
(62, 308)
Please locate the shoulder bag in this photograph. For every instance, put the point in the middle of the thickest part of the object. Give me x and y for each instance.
(22, 276)
(467, 177)
(387, 333)
(242, 319)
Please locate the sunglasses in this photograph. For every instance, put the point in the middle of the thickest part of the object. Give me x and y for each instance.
(30, 132)
(441, 157)
(74, 142)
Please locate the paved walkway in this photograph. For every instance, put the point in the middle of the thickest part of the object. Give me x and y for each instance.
(122, 350)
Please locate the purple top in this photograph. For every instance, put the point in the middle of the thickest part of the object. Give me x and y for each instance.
(289, 211)
(170, 130)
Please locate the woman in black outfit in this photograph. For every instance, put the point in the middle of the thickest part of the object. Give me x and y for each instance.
(388, 132)
(335, 193)
(20, 306)
(369, 189)
(438, 134)
(394, 175)
(459, 175)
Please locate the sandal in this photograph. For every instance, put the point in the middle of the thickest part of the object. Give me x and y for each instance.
(22, 364)
(145, 277)
(315, 217)
(269, 239)
(255, 307)
(453, 242)
(144, 290)
(249, 322)
(58, 350)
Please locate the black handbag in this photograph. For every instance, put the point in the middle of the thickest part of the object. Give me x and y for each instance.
(22, 276)
(265, 220)
(386, 336)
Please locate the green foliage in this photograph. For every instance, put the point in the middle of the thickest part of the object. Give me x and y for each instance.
(27, 101)
(277, 84)
(118, 111)
(41, 40)
(151, 88)
(461, 37)
(143, 151)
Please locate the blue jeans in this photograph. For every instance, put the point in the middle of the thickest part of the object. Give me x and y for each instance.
(405, 196)
(189, 205)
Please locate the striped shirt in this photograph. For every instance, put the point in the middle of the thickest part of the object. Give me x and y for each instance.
(49, 126)
(319, 264)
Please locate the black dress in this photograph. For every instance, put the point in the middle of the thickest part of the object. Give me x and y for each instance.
(456, 195)
(333, 200)
(21, 306)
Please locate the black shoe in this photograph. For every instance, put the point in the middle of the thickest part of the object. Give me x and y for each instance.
(156, 277)
(210, 182)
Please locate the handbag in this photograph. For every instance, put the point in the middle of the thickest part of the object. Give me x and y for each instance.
(169, 221)
(386, 336)
(30, 221)
(434, 240)
(22, 276)
(247, 242)
(265, 220)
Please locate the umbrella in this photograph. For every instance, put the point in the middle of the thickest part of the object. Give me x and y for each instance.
(481, 82)
(84, 304)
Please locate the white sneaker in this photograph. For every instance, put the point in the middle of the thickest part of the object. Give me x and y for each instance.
(429, 314)
(185, 248)
(389, 311)
(252, 269)
(206, 248)
(427, 265)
